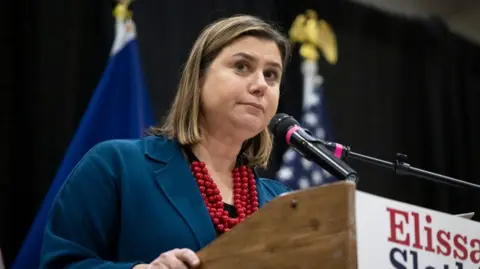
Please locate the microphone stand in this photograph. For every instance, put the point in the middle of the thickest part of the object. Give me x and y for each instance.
(401, 167)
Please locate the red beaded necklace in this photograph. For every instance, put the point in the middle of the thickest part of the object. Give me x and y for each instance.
(244, 195)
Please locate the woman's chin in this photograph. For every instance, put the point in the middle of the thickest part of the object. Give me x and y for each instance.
(250, 127)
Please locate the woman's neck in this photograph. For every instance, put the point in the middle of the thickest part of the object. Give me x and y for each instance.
(220, 155)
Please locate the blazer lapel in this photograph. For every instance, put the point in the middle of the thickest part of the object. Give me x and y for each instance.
(178, 185)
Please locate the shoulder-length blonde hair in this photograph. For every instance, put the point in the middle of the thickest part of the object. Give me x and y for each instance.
(182, 122)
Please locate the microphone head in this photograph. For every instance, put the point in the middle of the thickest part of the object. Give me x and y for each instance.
(281, 123)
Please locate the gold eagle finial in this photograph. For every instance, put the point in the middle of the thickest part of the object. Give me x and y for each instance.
(312, 34)
(121, 10)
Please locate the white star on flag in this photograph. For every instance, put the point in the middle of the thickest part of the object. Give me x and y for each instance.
(296, 171)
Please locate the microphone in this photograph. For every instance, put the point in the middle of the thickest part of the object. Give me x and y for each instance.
(322, 152)
(283, 125)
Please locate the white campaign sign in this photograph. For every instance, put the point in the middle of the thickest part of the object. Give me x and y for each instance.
(391, 234)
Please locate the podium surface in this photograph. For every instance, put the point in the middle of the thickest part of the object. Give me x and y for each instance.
(337, 226)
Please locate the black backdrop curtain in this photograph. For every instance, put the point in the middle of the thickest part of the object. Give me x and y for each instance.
(400, 85)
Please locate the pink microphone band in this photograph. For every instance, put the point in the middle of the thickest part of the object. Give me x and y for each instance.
(338, 150)
(290, 132)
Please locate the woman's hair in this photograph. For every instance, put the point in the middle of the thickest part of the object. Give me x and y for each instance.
(182, 121)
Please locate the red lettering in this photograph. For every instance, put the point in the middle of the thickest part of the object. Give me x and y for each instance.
(460, 251)
(394, 226)
(475, 254)
(416, 221)
(439, 241)
(443, 239)
(428, 230)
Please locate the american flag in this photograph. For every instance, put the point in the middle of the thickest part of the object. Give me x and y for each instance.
(297, 172)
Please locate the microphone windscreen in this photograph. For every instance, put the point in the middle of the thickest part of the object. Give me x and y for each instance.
(281, 123)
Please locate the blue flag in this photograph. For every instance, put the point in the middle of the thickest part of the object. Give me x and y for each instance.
(119, 108)
(297, 172)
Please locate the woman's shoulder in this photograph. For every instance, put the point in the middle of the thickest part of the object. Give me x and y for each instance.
(273, 186)
(130, 146)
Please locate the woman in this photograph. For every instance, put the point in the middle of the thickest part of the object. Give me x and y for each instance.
(152, 202)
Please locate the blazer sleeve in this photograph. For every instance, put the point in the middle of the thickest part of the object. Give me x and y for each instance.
(83, 223)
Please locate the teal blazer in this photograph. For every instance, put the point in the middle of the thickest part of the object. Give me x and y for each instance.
(126, 202)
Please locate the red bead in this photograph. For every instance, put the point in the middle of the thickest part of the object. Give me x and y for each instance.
(227, 230)
(244, 195)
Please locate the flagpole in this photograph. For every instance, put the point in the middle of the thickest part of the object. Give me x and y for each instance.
(314, 36)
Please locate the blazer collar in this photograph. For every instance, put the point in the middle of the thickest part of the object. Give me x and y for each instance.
(178, 185)
(159, 148)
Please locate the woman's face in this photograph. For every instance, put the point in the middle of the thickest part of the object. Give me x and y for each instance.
(240, 89)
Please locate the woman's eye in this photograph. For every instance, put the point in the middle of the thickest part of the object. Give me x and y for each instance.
(271, 74)
(240, 66)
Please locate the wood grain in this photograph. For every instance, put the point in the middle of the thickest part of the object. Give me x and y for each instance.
(306, 229)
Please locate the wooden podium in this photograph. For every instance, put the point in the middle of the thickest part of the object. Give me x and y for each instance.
(305, 229)
(336, 226)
